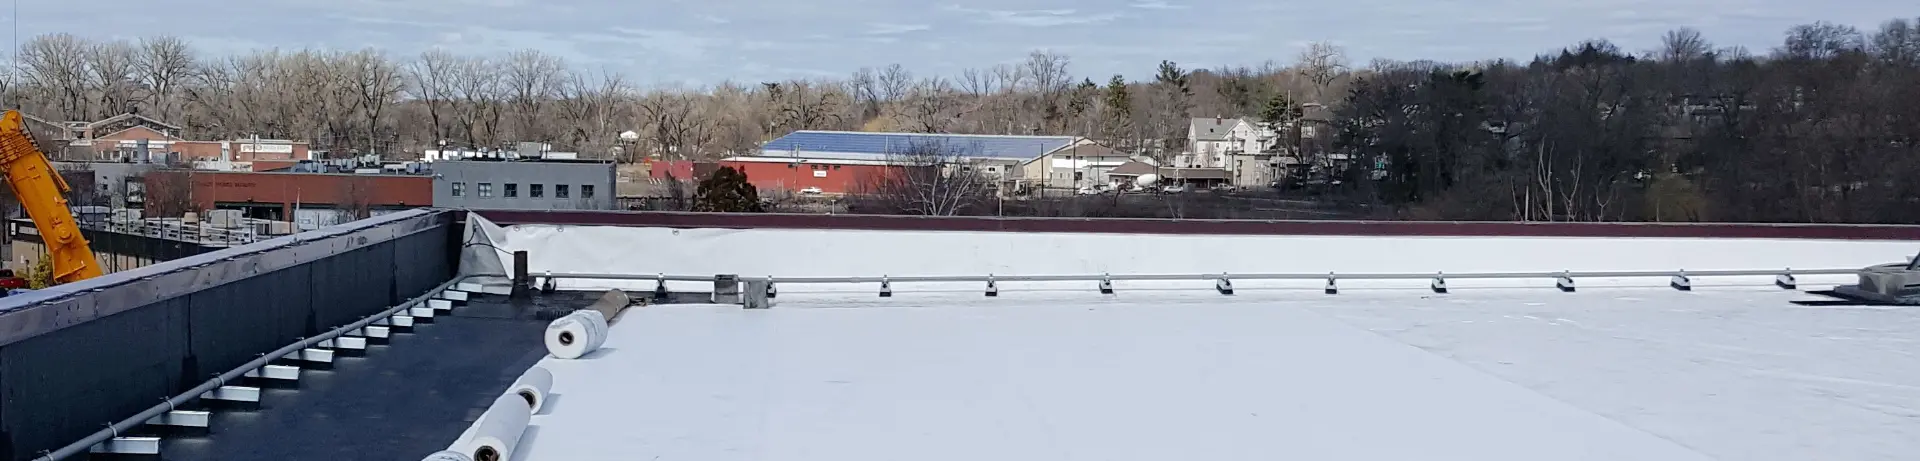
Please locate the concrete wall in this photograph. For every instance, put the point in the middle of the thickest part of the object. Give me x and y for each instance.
(110, 178)
(501, 185)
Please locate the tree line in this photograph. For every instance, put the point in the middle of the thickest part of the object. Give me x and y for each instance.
(1821, 128)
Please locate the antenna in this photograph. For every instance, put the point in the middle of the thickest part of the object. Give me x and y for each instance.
(13, 78)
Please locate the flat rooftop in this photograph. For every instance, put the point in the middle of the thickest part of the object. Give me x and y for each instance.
(1497, 374)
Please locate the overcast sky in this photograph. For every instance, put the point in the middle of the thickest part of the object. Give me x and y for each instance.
(706, 41)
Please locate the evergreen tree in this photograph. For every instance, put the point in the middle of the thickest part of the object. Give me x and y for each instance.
(1119, 116)
(727, 191)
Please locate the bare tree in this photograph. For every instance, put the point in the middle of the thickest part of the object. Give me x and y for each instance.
(864, 87)
(1048, 72)
(804, 105)
(168, 193)
(894, 82)
(163, 63)
(1821, 40)
(1898, 42)
(532, 78)
(56, 65)
(1684, 45)
(931, 105)
(928, 179)
(476, 89)
(113, 77)
(588, 106)
(356, 197)
(1323, 63)
(979, 83)
(377, 84)
(674, 124)
(430, 82)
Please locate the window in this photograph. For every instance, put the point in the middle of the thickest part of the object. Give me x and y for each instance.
(513, 190)
(486, 190)
(559, 191)
(586, 191)
(533, 190)
(459, 189)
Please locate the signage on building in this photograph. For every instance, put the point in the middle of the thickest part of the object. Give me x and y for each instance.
(247, 147)
(819, 173)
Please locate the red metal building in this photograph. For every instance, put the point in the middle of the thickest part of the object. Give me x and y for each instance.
(830, 175)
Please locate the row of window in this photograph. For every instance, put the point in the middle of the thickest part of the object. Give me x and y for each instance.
(512, 190)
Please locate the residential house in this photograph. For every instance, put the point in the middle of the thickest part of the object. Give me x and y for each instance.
(1245, 149)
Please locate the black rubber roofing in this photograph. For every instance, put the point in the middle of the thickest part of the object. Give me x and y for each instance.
(400, 401)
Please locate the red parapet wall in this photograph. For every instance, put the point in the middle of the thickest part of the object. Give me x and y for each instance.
(1204, 227)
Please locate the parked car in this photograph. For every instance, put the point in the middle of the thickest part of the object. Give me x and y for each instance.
(811, 191)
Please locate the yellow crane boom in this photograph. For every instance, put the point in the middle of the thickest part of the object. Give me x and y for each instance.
(42, 191)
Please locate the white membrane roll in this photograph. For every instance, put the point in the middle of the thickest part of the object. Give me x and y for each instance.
(447, 456)
(533, 387)
(599, 323)
(574, 335)
(499, 429)
(460, 443)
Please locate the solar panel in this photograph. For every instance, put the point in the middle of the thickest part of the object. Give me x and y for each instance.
(880, 144)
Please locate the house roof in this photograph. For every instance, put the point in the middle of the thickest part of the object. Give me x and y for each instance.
(123, 130)
(872, 146)
(134, 117)
(1088, 150)
(1213, 129)
(1134, 168)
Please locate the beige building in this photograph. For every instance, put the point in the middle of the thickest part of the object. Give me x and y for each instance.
(1082, 164)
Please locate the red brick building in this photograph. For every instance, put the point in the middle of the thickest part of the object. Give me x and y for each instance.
(830, 175)
(274, 195)
(120, 137)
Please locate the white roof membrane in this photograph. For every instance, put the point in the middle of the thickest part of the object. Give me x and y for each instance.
(1497, 369)
(1051, 381)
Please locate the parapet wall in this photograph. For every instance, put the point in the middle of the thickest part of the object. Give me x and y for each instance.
(76, 357)
(1206, 227)
(866, 246)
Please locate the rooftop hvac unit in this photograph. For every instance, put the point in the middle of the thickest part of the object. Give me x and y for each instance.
(225, 219)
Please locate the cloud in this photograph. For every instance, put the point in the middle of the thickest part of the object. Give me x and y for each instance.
(892, 29)
(756, 40)
(1157, 5)
(1036, 18)
(671, 42)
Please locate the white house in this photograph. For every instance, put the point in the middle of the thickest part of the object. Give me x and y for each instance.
(1242, 147)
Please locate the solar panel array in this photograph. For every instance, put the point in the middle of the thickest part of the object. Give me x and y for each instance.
(816, 143)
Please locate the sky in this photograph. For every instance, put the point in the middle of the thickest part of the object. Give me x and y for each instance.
(700, 42)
